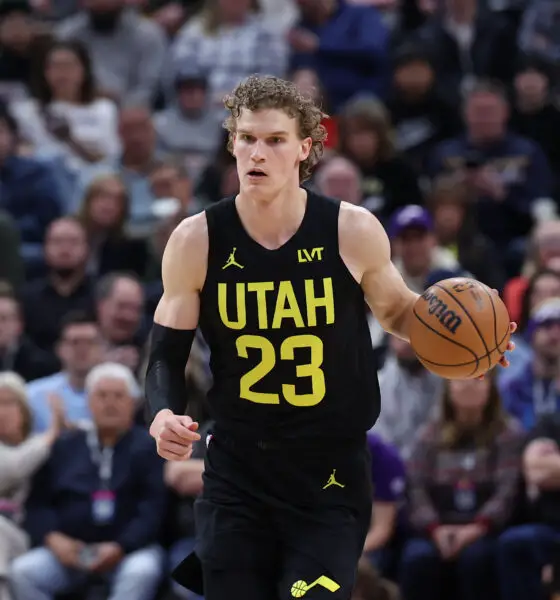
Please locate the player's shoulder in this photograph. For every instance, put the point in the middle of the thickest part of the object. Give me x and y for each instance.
(190, 237)
(357, 227)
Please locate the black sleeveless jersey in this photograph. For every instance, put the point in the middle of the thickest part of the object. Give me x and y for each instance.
(291, 352)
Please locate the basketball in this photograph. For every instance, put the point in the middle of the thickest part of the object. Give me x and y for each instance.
(299, 589)
(460, 328)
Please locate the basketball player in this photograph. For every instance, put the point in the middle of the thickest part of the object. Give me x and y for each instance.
(276, 279)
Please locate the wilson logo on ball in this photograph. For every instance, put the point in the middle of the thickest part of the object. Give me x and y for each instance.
(439, 309)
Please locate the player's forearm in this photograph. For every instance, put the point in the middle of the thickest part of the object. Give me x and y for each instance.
(165, 378)
(400, 321)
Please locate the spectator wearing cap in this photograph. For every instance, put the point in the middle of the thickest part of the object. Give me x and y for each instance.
(228, 41)
(388, 181)
(523, 551)
(535, 390)
(457, 231)
(416, 253)
(421, 115)
(189, 130)
(66, 119)
(467, 44)
(30, 191)
(127, 50)
(535, 114)
(348, 47)
(97, 505)
(508, 175)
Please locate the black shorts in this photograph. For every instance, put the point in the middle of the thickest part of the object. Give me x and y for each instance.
(282, 523)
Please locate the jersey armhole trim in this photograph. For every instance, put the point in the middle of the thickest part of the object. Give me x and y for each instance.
(209, 226)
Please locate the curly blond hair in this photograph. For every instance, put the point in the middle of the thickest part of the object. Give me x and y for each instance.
(262, 92)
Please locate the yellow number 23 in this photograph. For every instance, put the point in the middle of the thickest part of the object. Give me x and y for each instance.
(267, 362)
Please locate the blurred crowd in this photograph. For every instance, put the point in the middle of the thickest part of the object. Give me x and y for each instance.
(444, 121)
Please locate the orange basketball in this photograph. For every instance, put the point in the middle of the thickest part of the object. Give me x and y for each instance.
(460, 328)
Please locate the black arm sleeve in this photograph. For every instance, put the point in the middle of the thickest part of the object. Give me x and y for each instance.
(165, 377)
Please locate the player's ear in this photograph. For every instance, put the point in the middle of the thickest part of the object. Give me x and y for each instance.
(306, 145)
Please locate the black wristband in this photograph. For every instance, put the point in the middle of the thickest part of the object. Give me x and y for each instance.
(165, 377)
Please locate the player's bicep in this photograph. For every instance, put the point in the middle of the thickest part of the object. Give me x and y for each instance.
(183, 272)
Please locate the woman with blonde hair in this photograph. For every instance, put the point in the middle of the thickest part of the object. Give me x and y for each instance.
(20, 456)
(464, 476)
(366, 138)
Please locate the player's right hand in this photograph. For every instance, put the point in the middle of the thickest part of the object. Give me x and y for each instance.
(174, 435)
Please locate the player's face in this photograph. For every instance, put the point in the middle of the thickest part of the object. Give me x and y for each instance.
(268, 150)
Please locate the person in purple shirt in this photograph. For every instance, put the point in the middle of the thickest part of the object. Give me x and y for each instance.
(388, 478)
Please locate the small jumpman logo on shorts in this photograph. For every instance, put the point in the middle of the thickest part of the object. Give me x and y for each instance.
(332, 481)
(231, 262)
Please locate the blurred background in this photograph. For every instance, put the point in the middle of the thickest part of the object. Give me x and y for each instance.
(444, 122)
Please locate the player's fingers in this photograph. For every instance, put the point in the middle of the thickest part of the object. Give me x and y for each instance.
(175, 447)
(183, 438)
(510, 346)
(181, 430)
(174, 452)
(513, 327)
(504, 361)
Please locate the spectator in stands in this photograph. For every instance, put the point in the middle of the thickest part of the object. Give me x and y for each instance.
(466, 44)
(65, 119)
(463, 478)
(457, 231)
(416, 253)
(20, 456)
(388, 480)
(11, 266)
(103, 214)
(422, 116)
(170, 180)
(228, 41)
(508, 174)
(544, 284)
(190, 129)
(543, 252)
(370, 586)
(410, 397)
(17, 352)
(341, 179)
(365, 138)
(536, 114)
(79, 348)
(127, 51)
(538, 34)
(30, 191)
(120, 304)
(20, 43)
(107, 521)
(309, 84)
(348, 47)
(219, 180)
(533, 391)
(524, 550)
(66, 286)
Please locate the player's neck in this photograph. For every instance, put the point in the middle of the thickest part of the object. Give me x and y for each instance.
(272, 223)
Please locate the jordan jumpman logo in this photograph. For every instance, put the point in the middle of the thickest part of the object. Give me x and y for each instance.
(332, 481)
(231, 262)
